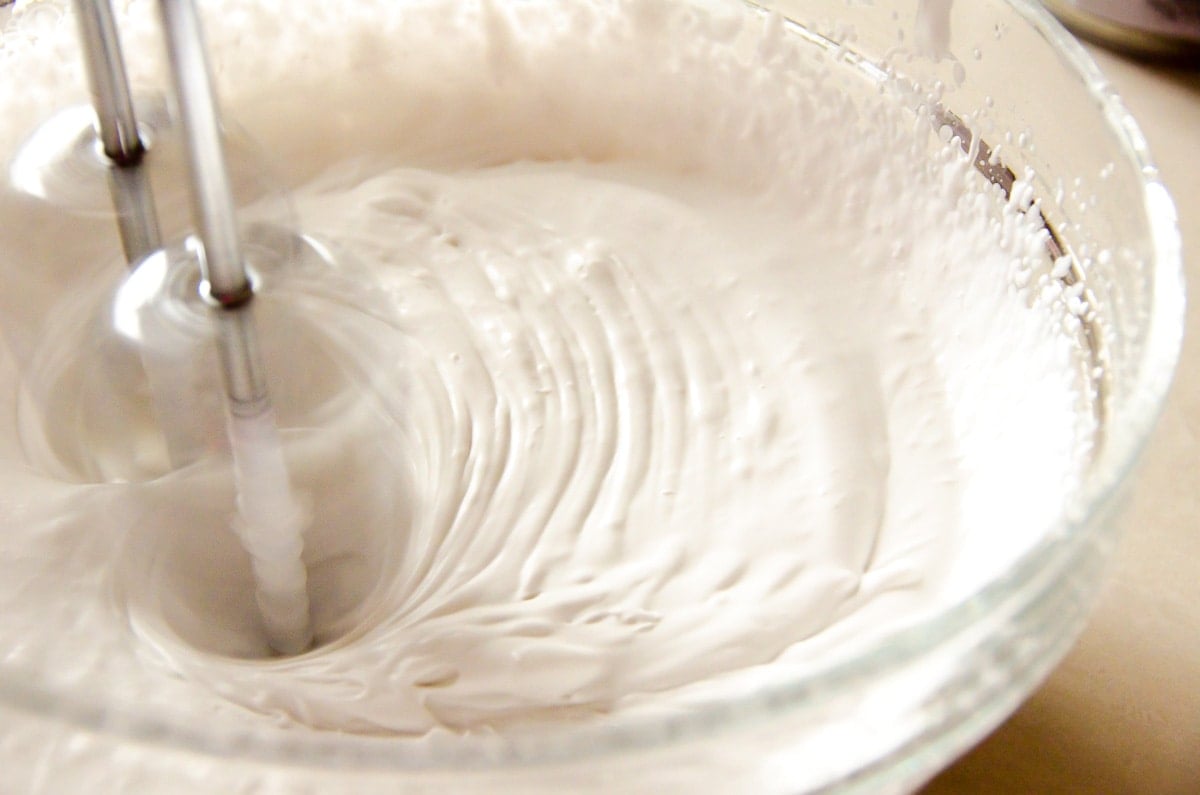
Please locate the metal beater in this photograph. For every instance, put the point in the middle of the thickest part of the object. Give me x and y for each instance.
(270, 524)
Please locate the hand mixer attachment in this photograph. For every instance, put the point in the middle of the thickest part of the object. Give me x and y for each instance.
(270, 521)
(116, 126)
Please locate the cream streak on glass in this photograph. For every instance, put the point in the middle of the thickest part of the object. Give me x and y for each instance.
(647, 380)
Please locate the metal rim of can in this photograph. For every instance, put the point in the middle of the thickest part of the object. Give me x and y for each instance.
(1183, 48)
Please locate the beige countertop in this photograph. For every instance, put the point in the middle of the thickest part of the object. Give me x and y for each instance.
(1121, 714)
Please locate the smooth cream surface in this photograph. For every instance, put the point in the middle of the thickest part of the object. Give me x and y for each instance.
(660, 357)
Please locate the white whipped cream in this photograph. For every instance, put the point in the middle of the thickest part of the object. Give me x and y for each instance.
(692, 359)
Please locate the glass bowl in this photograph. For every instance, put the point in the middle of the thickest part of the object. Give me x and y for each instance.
(878, 716)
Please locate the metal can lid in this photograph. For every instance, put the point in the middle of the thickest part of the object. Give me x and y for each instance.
(1159, 29)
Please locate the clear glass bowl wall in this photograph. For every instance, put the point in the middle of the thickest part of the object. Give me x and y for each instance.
(887, 717)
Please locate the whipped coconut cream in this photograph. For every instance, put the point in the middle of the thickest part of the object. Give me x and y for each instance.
(651, 355)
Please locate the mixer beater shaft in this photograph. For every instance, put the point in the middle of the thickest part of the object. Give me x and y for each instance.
(116, 125)
(270, 522)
